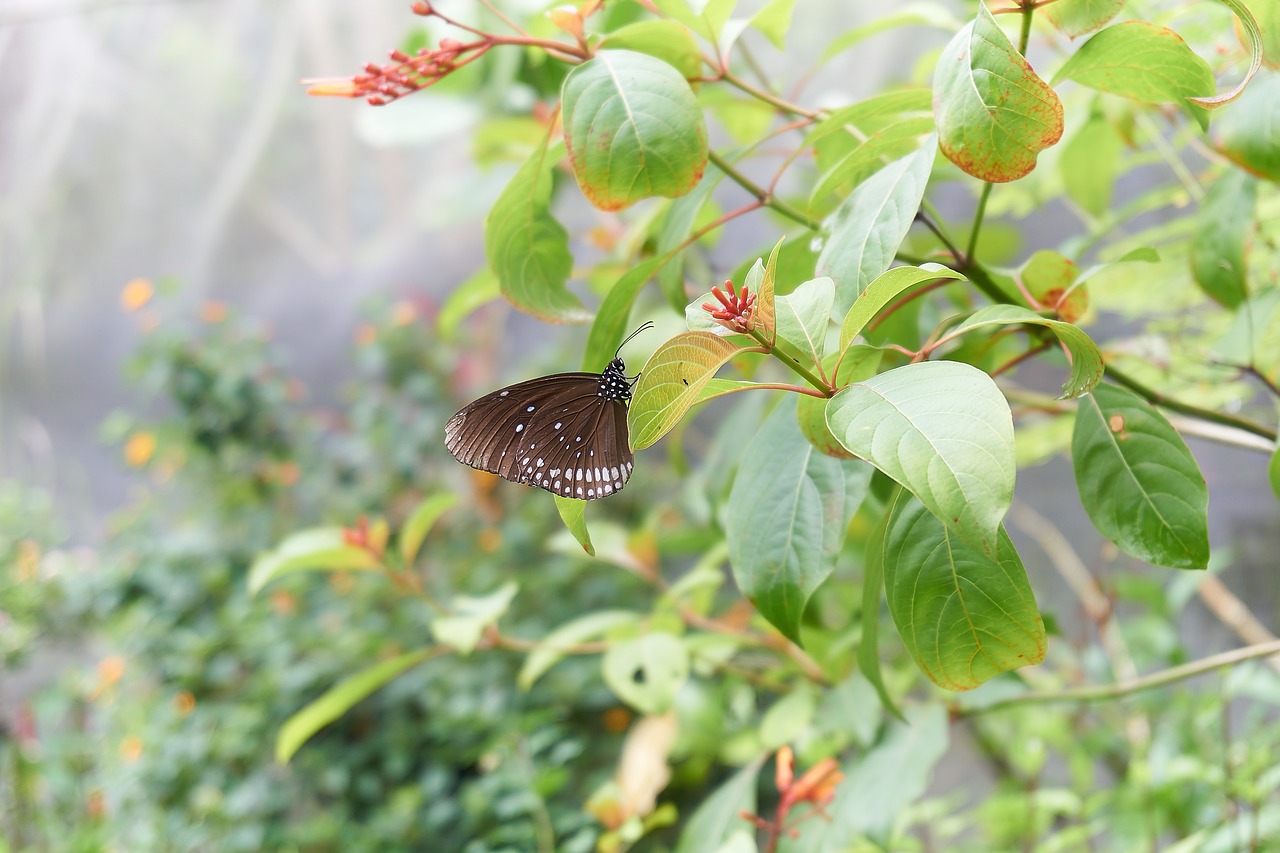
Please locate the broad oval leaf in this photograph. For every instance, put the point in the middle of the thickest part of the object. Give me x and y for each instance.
(339, 699)
(420, 522)
(804, 315)
(1086, 358)
(994, 114)
(944, 432)
(867, 229)
(320, 549)
(574, 515)
(634, 129)
(887, 287)
(1142, 61)
(785, 519)
(528, 249)
(1078, 17)
(964, 615)
(853, 365)
(551, 648)
(1220, 245)
(647, 672)
(1246, 132)
(1139, 484)
(671, 381)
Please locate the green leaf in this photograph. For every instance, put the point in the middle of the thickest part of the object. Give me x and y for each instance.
(665, 40)
(677, 225)
(1223, 233)
(764, 285)
(878, 786)
(550, 649)
(867, 229)
(470, 615)
(872, 586)
(647, 672)
(1139, 484)
(943, 431)
(633, 128)
(1267, 14)
(774, 20)
(1273, 472)
(894, 140)
(1253, 40)
(1141, 61)
(788, 717)
(964, 615)
(785, 520)
(477, 291)
(671, 382)
(857, 364)
(935, 15)
(339, 699)
(528, 249)
(851, 118)
(804, 315)
(1048, 277)
(1089, 162)
(1077, 17)
(320, 549)
(719, 817)
(994, 114)
(1247, 131)
(723, 387)
(574, 515)
(706, 17)
(1086, 358)
(610, 325)
(420, 522)
(887, 287)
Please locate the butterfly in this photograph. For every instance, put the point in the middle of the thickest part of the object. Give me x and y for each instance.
(566, 433)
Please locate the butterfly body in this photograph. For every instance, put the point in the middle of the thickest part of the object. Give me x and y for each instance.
(566, 433)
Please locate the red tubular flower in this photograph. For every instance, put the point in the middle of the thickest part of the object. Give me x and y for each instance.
(404, 74)
(736, 311)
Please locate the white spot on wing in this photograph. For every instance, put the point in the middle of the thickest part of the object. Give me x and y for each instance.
(519, 427)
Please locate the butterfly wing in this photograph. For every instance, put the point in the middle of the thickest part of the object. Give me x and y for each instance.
(559, 433)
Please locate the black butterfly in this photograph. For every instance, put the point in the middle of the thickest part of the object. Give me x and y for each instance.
(566, 433)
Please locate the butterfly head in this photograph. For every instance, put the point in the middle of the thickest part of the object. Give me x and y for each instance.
(613, 382)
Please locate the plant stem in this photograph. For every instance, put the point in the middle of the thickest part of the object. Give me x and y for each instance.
(1134, 685)
(977, 223)
(765, 197)
(1024, 38)
(827, 390)
(768, 97)
(1159, 399)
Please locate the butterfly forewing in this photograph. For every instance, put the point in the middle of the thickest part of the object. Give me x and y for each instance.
(565, 433)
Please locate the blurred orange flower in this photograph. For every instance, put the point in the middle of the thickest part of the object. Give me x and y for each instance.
(136, 293)
(131, 748)
(184, 702)
(213, 312)
(403, 313)
(366, 334)
(139, 449)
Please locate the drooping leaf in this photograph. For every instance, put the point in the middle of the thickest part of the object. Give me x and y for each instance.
(551, 649)
(339, 699)
(1246, 131)
(964, 615)
(1221, 242)
(886, 288)
(943, 431)
(470, 615)
(610, 325)
(1089, 162)
(1078, 17)
(1139, 484)
(857, 364)
(994, 114)
(420, 522)
(879, 785)
(671, 381)
(1142, 61)
(785, 520)
(867, 229)
(528, 249)
(320, 549)
(804, 315)
(719, 816)
(647, 672)
(633, 128)
(665, 40)
(574, 515)
(1248, 27)
(1086, 358)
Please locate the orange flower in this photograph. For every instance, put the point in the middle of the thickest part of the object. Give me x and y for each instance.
(139, 449)
(111, 670)
(28, 561)
(283, 602)
(136, 293)
(617, 719)
(366, 334)
(131, 748)
(184, 703)
(213, 312)
(403, 313)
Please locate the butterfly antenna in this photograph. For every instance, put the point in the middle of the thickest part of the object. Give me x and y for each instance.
(644, 328)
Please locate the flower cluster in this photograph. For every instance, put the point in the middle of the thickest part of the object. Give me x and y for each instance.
(404, 74)
(736, 311)
(817, 786)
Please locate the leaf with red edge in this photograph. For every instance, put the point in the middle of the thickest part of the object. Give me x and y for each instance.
(994, 114)
(634, 129)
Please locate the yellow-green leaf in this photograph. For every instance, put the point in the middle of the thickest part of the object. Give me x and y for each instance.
(420, 522)
(671, 381)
